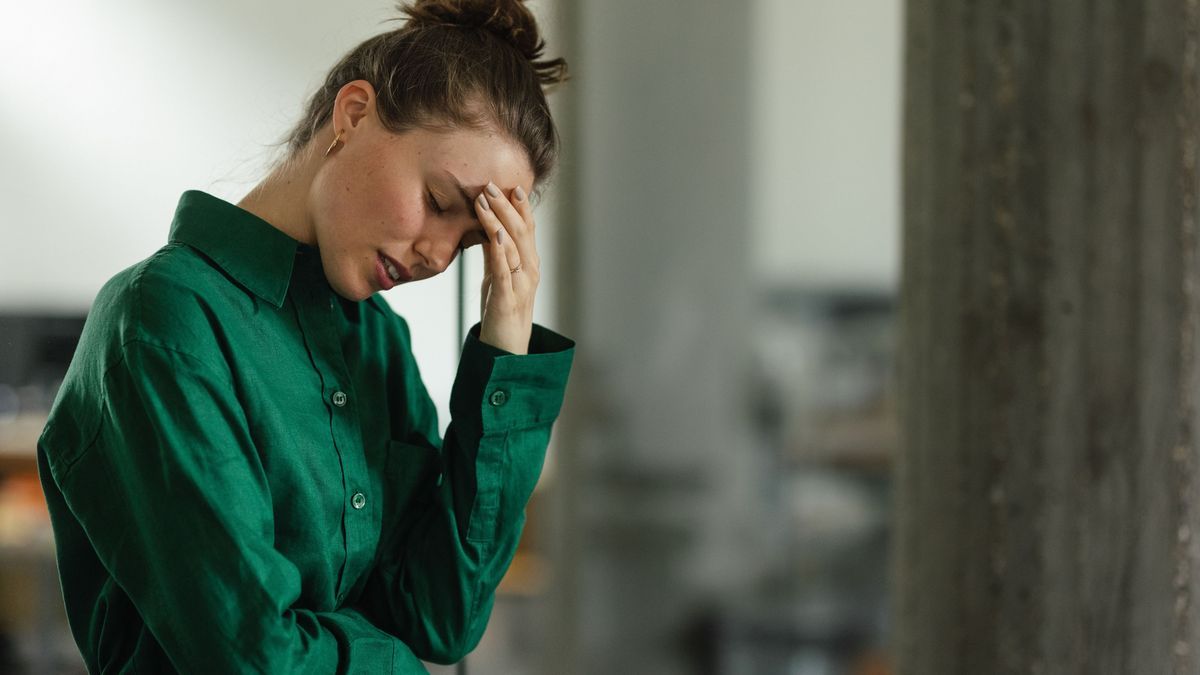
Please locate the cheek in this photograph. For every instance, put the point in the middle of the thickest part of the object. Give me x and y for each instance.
(391, 216)
(343, 184)
(363, 210)
(341, 215)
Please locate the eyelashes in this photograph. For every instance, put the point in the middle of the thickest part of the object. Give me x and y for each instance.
(437, 209)
(433, 204)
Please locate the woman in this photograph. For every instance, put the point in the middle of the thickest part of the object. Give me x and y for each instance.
(243, 467)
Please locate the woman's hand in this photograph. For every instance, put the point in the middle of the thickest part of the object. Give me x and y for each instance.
(506, 296)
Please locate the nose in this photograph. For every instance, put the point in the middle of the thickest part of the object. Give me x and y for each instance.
(438, 254)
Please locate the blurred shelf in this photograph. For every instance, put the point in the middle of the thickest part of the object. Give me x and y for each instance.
(18, 442)
(863, 441)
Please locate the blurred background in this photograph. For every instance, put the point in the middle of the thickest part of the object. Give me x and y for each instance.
(721, 240)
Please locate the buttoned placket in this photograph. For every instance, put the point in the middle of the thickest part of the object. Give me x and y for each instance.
(320, 319)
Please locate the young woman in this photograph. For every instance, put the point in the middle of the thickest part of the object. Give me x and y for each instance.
(243, 468)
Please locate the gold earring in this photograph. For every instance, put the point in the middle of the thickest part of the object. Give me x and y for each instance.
(335, 142)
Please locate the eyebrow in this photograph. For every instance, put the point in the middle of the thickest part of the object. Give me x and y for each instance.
(468, 201)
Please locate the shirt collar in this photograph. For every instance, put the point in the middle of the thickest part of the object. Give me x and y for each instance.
(252, 251)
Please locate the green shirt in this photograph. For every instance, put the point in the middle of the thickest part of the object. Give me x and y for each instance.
(244, 470)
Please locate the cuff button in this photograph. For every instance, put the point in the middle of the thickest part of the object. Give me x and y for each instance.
(498, 397)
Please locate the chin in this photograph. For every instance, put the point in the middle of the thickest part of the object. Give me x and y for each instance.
(352, 294)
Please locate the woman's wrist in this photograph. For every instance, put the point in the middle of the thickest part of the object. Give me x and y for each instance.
(510, 339)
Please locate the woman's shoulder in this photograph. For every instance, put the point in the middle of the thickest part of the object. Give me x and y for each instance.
(159, 300)
(166, 299)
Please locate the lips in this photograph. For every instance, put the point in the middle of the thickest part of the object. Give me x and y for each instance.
(403, 273)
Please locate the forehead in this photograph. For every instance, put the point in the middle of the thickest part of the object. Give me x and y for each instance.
(474, 156)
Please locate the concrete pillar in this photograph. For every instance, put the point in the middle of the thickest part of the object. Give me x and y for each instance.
(1047, 487)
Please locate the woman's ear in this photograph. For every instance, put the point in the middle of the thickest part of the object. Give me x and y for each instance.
(354, 101)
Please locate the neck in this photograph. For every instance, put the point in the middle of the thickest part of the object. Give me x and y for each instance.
(281, 198)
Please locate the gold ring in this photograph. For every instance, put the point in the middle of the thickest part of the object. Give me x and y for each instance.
(515, 269)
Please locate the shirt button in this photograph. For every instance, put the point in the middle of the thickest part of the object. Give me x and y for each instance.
(441, 477)
(359, 500)
(339, 398)
(499, 397)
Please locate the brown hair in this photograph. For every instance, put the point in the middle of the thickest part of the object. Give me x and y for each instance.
(454, 64)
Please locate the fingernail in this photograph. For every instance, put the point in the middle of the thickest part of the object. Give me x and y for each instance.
(493, 190)
(484, 203)
(500, 236)
(519, 194)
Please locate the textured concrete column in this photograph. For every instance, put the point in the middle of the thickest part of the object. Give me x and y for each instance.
(1047, 488)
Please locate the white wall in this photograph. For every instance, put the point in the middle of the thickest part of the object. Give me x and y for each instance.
(108, 111)
(825, 188)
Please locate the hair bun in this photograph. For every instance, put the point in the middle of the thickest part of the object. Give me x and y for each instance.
(510, 20)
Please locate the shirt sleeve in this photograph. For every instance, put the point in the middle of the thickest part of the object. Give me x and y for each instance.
(174, 499)
(435, 586)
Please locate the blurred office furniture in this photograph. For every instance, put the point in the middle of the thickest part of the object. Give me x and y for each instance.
(825, 414)
(35, 350)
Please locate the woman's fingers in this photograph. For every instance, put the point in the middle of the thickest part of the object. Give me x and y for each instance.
(517, 219)
(498, 263)
(520, 202)
(496, 231)
(506, 313)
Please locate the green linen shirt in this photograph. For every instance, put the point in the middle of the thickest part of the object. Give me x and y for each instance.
(245, 474)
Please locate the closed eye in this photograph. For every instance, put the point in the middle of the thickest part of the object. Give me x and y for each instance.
(433, 204)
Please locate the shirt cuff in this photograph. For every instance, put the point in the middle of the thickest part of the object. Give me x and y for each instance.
(496, 390)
